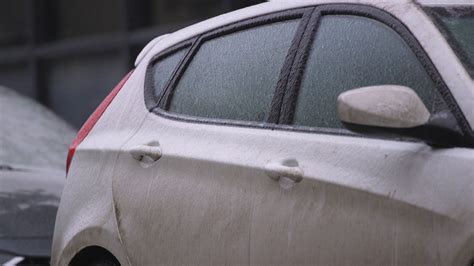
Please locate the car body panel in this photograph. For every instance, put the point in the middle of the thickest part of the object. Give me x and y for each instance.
(209, 201)
(147, 49)
(90, 221)
(92, 165)
(444, 2)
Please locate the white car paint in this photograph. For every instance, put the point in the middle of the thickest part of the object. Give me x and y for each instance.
(208, 200)
(384, 106)
(147, 48)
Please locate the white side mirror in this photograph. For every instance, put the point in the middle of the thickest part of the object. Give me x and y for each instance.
(387, 106)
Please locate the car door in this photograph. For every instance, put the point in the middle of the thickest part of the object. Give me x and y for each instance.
(362, 200)
(185, 183)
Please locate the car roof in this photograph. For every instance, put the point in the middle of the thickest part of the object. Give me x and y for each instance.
(255, 10)
(274, 5)
(421, 2)
(444, 2)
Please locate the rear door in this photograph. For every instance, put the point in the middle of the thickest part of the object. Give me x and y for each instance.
(185, 184)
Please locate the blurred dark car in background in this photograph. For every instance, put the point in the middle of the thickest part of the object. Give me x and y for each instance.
(33, 148)
(67, 55)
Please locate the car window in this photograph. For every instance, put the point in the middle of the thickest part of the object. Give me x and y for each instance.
(457, 25)
(163, 69)
(350, 52)
(234, 76)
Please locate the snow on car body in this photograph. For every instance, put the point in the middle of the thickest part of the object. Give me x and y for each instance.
(160, 179)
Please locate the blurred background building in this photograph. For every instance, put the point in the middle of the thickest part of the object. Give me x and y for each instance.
(68, 54)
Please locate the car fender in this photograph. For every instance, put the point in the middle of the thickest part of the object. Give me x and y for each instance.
(93, 236)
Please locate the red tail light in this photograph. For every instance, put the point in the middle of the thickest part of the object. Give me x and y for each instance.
(89, 124)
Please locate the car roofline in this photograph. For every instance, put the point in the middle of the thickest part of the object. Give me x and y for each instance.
(421, 2)
(445, 2)
(273, 5)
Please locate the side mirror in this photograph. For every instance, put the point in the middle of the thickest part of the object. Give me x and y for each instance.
(382, 106)
(397, 110)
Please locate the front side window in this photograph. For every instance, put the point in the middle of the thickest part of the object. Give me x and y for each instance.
(350, 52)
(233, 76)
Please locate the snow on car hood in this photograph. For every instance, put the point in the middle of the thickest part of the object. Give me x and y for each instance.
(30, 134)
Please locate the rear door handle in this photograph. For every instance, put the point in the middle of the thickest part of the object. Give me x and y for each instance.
(288, 169)
(147, 152)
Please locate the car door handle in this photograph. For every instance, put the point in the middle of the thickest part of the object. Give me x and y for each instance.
(146, 152)
(288, 169)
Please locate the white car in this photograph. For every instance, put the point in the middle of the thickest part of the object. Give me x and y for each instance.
(286, 133)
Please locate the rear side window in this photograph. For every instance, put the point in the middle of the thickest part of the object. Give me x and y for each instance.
(164, 68)
(349, 52)
(233, 76)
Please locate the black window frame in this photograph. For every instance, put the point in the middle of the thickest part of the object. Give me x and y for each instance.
(286, 91)
(291, 93)
(151, 99)
(161, 105)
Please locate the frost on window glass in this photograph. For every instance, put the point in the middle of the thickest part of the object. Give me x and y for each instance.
(163, 70)
(457, 25)
(351, 52)
(234, 76)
